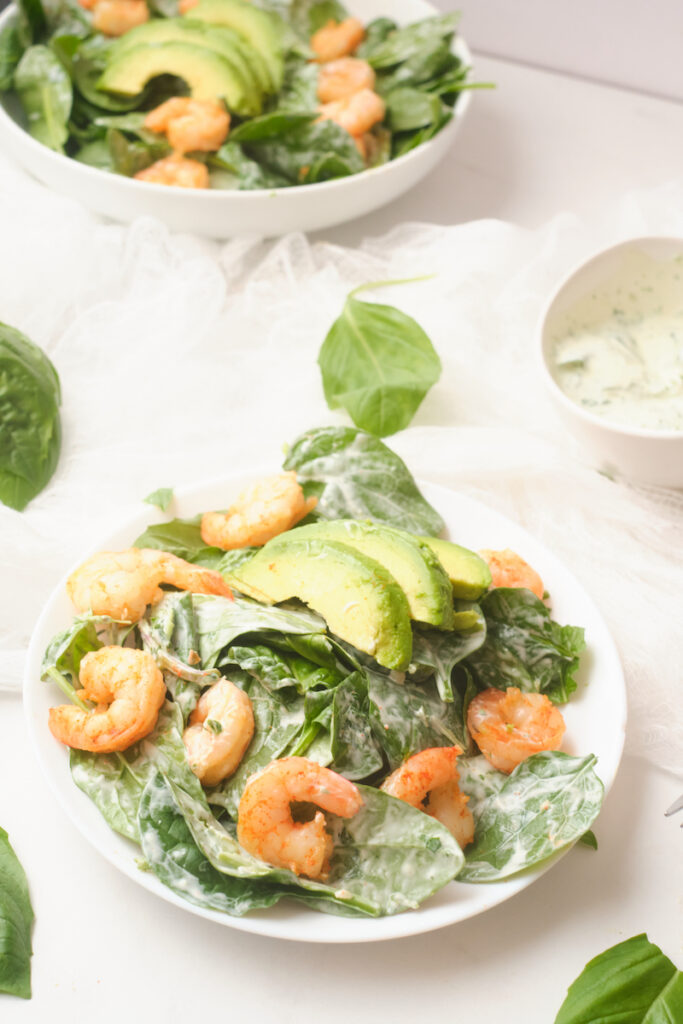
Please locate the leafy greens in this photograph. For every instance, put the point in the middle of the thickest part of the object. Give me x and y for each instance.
(16, 921)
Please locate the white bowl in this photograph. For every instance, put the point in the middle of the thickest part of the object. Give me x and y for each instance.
(642, 455)
(595, 718)
(222, 214)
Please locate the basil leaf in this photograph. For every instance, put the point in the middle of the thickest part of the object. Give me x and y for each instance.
(160, 498)
(45, 92)
(525, 648)
(356, 476)
(378, 364)
(11, 49)
(547, 802)
(30, 430)
(16, 920)
(632, 982)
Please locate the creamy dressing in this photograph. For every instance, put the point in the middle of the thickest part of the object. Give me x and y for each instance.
(618, 352)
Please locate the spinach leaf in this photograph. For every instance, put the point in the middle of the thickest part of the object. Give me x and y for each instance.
(300, 85)
(355, 752)
(441, 650)
(11, 49)
(632, 982)
(409, 109)
(307, 16)
(378, 364)
(375, 33)
(404, 142)
(244, 173)
(32, 20)
(131, 155)
(85, 60)
(292, 156)
(275, 125)
(67, 649)
(277, 671)
(356, 476)
(403, 43)
(525, 648)
(177, 861)
(16, 920)
(182, 537)
(160, 498)
(95, 154)
(547, 802)
(44, 90)
(433, 60)
(30, 430)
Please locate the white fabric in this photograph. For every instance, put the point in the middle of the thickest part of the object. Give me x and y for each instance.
(183, 359)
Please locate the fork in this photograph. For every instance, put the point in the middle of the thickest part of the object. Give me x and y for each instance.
(677, 805)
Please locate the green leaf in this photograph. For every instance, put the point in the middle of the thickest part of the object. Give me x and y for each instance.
(547, 803)
(375, 33)
(403, 43)
(32, 20)
(356, 476)
(16, 920)
(271, 126)
(44, 90)
(632, 983)
(85, 60)
(525, 648)
(292, 156)
(277, 671)
(30, 430)
(161, 498)
(378, 364)
(244, 172)
(67, 649)
(441, 650)
(131, 155)
(307, 16)
(589, 839)
(11, 49)
(409, 109)
(181, 537)
(355, 752)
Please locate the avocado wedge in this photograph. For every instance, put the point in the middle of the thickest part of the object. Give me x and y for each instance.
(469, 574)
(260, 28)
(360, 601)
(411, 562)
(209, 75)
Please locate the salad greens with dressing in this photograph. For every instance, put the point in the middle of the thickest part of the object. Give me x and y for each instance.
(87, 95)
(318, 696)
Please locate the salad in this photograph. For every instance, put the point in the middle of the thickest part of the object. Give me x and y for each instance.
(313, 696)
(227, 94)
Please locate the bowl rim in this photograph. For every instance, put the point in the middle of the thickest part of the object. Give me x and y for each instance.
(207, 196)
(610, 427)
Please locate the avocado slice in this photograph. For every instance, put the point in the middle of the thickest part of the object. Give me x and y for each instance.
(208, 74)
(260, 28)
(412, 563)
(214, 37)
(468, 573)
(359, 600)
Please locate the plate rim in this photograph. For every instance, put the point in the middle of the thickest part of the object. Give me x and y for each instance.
(274, 923)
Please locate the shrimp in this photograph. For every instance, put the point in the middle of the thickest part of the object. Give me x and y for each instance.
(220, 729)
(190, 125)
(508, 569)
(337, 39)
(176, 170)
(357, 113)
(433, 774)
(509, 726)
(121, 584)
(128, 690)
(116, 17)
(344, 77)
(261, 512)
(186, 5)
(265, 826)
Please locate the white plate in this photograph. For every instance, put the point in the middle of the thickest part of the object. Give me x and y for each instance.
(224, 214)
(595, 718)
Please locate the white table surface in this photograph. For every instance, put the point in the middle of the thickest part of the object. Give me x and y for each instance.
(108, 951)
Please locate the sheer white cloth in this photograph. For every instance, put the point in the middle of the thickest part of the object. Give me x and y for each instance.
(183, 359)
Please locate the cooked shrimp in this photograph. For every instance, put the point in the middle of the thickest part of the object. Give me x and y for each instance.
(261, 512)
(190, 125)
(357, 113)
(337, 39)
(116, 17)
(176, 170)
(265, 826)
(220, 729)
(508, 726)
(122, 583)
(433, 775)
(341, 78)
(186, 5)
(508, 569)
(128, 690)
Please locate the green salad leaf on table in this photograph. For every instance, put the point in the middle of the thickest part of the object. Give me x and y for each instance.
(16, 922)
(318, 695)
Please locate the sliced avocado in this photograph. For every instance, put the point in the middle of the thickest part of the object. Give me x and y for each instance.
(208, 74)
(412, 563)
(223, 40)
(260, 28)
(359, 600)
(469, 574)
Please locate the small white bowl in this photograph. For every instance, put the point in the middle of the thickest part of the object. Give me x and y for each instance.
(642, 455)
(223, 214)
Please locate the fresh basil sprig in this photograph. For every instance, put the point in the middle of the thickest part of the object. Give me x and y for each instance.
(378, 364)
(30, 432)
(16, 919)
(632, 982)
